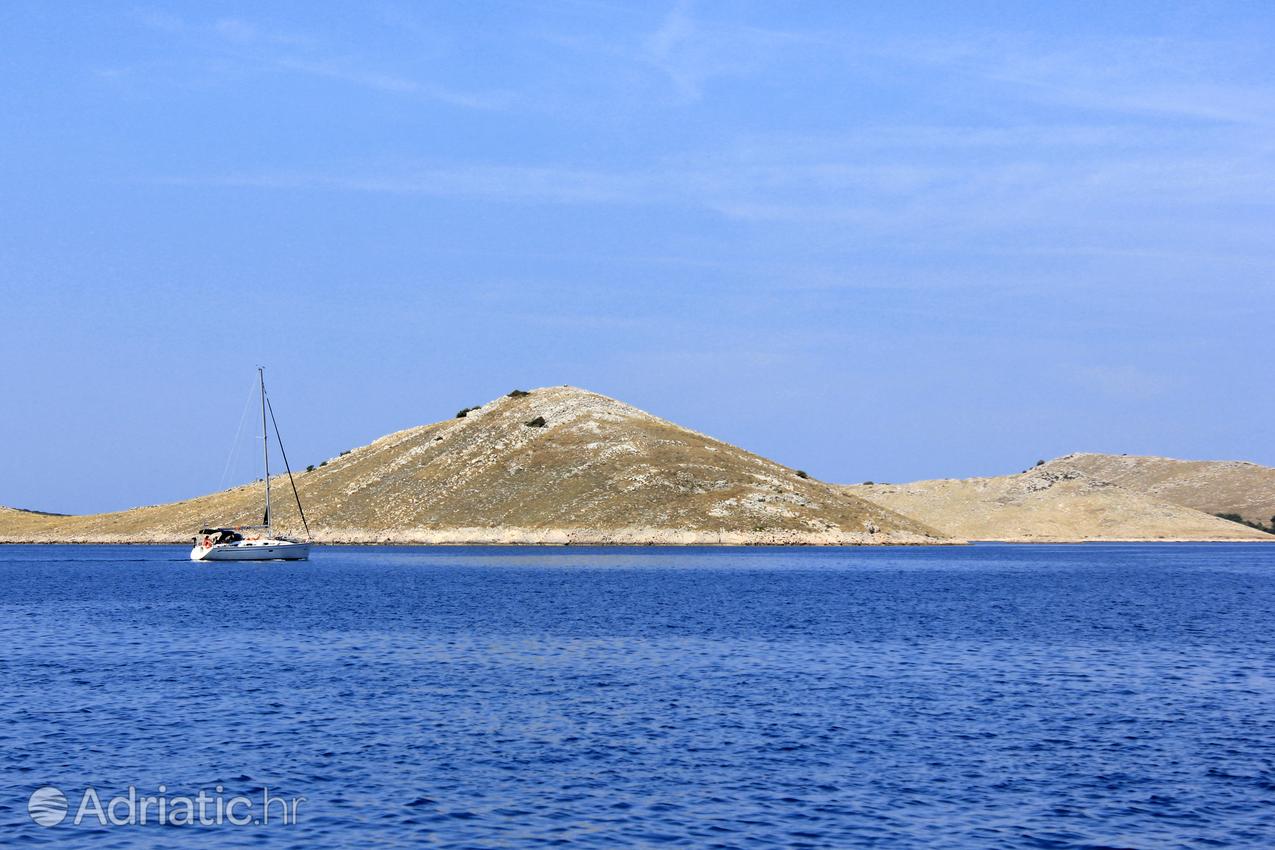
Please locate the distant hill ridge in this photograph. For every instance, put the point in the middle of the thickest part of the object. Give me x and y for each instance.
(564, 465)
(556, 465)
(1077, 498)
(1212, 486)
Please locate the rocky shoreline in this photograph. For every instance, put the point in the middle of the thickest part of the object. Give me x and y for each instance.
(534, 537)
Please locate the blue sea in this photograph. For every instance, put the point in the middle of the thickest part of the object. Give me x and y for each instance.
(983, 696)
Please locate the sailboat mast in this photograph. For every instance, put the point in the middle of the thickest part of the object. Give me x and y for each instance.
(265, 442)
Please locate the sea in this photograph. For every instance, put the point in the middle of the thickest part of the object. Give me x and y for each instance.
(984, 696)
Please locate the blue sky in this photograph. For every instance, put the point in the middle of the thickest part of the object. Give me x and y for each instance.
(872, 241)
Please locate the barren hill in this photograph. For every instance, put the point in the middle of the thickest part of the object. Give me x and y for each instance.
(1213, 486)
(1049, 504)
(555, 465)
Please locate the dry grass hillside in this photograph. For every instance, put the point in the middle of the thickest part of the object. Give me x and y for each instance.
(1213, 486)
(595, 471)
(1049, 504)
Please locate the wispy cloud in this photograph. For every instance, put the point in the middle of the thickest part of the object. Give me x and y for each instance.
(240, 31)
(947, 182)
(236, 30)
(494, 182)
(666, 46)
(1137, 77)
(1134, 76)
(1124, 146)
(259, 48)
(346, 73)
(689, 52)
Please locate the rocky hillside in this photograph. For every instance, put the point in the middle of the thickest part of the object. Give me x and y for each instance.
(1049, 503)
(1213, 486)
(555, 465)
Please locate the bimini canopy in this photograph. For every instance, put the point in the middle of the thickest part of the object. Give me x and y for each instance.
(221, 535)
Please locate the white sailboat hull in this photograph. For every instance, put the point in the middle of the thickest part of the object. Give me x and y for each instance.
(267, 549)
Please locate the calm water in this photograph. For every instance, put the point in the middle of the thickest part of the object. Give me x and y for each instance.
(987, 696)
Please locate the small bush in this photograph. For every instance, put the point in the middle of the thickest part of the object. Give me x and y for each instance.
(538, 422)
(1040, 463)
(465, 411)
(801, 473)
(310, 468)
(325, 463)
(868, 483)
(344, 453)
(518, 393)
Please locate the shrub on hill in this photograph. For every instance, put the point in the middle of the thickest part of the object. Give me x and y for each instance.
(1269, 529)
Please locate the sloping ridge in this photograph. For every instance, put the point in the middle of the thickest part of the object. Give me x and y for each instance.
(1049, 503)
(596, 471)
(1212, 486)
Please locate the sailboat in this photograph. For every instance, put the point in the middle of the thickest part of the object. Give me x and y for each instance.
(256, 542)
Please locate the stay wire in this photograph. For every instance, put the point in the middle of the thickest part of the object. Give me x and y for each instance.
(234, 447)
(284, 452)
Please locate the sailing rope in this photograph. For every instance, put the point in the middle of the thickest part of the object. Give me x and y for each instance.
(284, 452)
(234, 447)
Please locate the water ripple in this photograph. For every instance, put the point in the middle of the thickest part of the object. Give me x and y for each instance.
(988, 696)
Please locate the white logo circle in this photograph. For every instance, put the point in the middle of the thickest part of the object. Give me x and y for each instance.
(47, 806)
